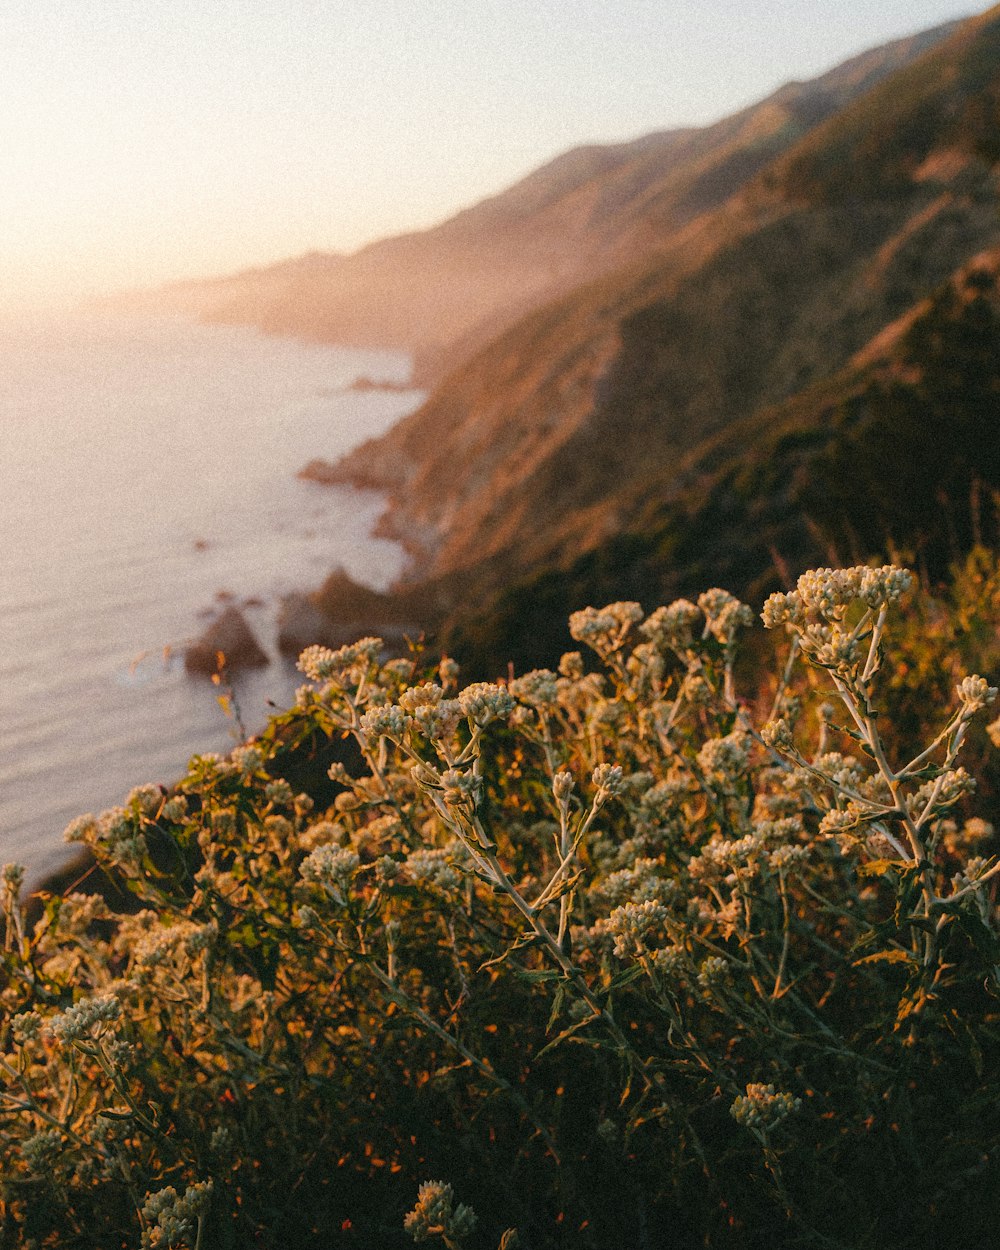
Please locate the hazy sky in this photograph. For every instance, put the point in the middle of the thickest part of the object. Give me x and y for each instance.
(144, 140)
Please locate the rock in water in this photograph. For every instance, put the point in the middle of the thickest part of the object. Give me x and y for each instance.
(230, 635)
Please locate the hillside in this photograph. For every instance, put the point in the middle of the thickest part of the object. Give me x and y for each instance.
(897, 454)
(544, 444)
(444, 292)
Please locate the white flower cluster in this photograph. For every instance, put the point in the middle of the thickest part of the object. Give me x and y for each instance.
(761, 1108)
(713, 972)
(386, 721)
(79, 1021)
(539, 688)
(630, 925)
(485, 701)
(974, 693)
(333, 867)
(322, 664)
(436, 1214)
(247, 759)
(41, 1151)
(432, 866)
(724, 615)
(828, 593)
(171, 1218)
(460, 789)
(147, 799)
(638, 883)
(721, 855)
(672, 626)
(604, 629)
(724, 760)
(609, 780)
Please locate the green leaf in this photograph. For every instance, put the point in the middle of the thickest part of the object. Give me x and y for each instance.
(557, 1005)
(621, 979)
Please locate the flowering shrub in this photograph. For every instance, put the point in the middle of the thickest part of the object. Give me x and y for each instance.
(630, 955)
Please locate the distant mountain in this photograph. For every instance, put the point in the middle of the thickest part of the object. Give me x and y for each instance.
(447, 291)
(581, 448)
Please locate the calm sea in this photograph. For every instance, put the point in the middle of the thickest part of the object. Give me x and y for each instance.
(147, 474)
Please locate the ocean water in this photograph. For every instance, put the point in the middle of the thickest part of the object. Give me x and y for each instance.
(147, 476)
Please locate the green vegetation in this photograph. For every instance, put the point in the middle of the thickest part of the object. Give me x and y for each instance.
(692, 943)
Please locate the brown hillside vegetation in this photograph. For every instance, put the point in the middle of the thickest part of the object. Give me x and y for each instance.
(540, 445)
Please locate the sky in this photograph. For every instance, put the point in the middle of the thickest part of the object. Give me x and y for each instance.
(148, 142)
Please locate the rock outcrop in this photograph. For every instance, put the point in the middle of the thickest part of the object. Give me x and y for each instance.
(228, 643)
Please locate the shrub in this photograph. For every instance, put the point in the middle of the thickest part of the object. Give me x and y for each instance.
(628, 956)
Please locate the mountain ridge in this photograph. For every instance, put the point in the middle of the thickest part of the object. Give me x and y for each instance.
(753, 302)
(444, 292)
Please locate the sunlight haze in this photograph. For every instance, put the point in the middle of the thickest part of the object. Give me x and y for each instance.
(144, 144)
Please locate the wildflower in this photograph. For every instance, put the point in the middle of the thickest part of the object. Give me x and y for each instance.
(77, 1022)
(604, 629)
(41, 1152)
(630, 924)
(571, 665)
(432, 866)
(146, 798)
(609, 780)
(388, 721)
(974, 694)
(436, 1214)
(713, 972)
(638, 883)
(562, 787)
(782, 609)
(448, 671)
(460, 788)
(247, 759)
(386, 869)
(26, 1026)
(485, 701)
(787, 858)
(322, 664)
(672, 626)
(725, 759)
(777, 735)
(946, 790)
(280, 827)
(670, 962)
(81, 828)
(427, 695)
(724, 615)
(837, 820)
(539, 688)
(438, 722)
(331, 866)
(279, 792)
(175, 809)
(761, 1108)
(172, 1219)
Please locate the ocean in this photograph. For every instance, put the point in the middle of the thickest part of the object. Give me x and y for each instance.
(148, 477)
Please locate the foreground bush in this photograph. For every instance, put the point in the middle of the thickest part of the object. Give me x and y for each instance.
(630, 957)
